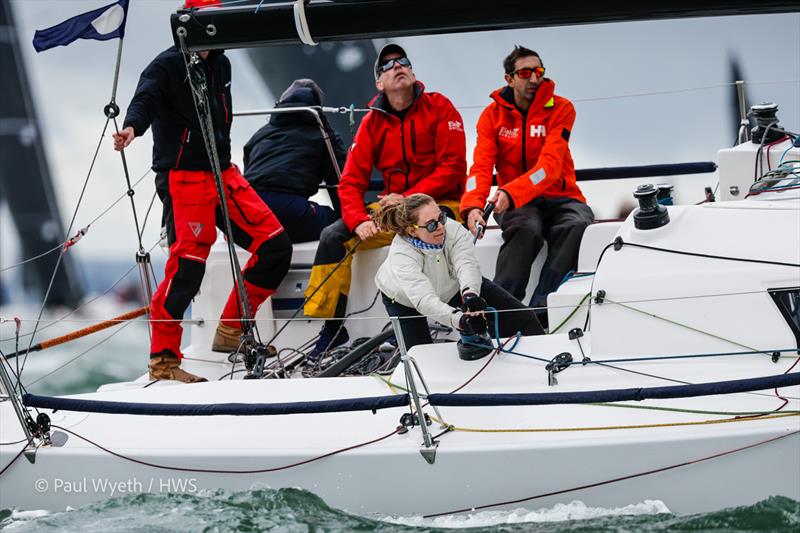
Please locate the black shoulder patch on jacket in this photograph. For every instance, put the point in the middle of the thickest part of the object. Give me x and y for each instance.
(565, 134)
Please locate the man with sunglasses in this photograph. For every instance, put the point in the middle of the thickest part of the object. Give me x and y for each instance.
(416, 141)
(524, 135)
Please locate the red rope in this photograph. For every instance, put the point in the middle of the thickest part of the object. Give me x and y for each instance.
(608, 482)
(221, 471)
(14, 460)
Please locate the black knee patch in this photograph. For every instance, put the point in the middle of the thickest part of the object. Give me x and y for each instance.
(274, 259)
(185, 284)
(331, 248)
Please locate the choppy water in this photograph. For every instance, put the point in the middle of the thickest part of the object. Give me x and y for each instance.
(290, 510)
(123, 357)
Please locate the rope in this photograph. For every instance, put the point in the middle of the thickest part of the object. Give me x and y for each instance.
(130, 192)
(621, 478)
(222, 471)
(73, 335)
(686, 326)
(661, 93)
(706, 256)
(34, 382)
(690, 411)
(73, 311)
(14, 460)
(383, 318)
(69, 242)
(607, 362)
(577, 308)
(635, 426)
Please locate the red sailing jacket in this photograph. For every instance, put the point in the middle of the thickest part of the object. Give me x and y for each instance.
(532, 159)
(425, 151)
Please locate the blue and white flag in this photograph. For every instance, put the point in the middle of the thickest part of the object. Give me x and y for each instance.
(101, 24)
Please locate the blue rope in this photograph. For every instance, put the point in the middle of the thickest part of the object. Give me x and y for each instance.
(472, 340)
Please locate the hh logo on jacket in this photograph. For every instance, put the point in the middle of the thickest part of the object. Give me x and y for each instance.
(538, 131)
(455, 125)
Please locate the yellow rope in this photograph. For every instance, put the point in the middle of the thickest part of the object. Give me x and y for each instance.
(604, 428)
(394, 388)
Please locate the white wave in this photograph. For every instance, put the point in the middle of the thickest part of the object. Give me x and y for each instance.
(19, 518)
(575, 510)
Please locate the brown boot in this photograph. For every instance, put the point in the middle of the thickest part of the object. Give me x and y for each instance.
(166, 365)
(226, 339)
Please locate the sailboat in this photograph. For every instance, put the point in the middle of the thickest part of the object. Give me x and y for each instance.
(670, 371)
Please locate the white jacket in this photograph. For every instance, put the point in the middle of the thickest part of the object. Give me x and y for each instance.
(426, 279)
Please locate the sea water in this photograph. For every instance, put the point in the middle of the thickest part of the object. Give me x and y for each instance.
(290, 510)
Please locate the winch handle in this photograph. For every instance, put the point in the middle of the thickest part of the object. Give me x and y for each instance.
(487, 211)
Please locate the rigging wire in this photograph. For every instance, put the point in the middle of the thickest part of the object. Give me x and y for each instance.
(63, 318)
(660, 93)
(58, 368)
(89, 224)
(69, 230)
(223, 471)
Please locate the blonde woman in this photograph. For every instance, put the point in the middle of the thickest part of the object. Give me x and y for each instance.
(432, 271)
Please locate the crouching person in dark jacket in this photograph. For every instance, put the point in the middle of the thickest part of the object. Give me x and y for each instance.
(286, 160)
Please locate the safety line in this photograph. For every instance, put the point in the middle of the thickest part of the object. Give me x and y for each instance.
(686, 326)
(14, 460)
(627, 426)
(223, 471)
(615, 480)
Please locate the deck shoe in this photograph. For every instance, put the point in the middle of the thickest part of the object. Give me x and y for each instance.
(166, 365)
(226, 339)
(328, 340)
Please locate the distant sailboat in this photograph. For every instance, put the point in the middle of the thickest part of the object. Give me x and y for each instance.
(25, 182)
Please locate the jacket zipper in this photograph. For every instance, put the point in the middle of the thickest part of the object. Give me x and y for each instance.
(403, 142)
(524, 135)
(221, 92)
(183, 142)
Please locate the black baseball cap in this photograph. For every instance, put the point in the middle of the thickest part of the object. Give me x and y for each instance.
(387, 49)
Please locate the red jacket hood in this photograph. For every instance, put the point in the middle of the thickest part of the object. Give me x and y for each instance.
(505, 95)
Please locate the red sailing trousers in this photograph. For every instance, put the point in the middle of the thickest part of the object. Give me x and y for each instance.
(191, 214)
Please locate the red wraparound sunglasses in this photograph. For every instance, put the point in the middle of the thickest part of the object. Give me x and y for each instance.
(525, 73)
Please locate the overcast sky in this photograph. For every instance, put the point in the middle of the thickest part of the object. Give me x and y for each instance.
(72, 84)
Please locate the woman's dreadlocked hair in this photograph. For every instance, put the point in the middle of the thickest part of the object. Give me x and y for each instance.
(397, 217)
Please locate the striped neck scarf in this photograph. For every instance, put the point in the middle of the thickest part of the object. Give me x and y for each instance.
(422, 245)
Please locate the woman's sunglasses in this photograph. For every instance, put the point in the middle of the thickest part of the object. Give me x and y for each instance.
(433, 224)
(402, 61)
(525, 73)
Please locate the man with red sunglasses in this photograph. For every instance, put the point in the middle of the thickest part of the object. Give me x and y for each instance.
(416, 140)
(524, 135)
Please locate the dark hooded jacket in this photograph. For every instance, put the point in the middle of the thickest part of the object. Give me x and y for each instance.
(164, 100)
(289, 154)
